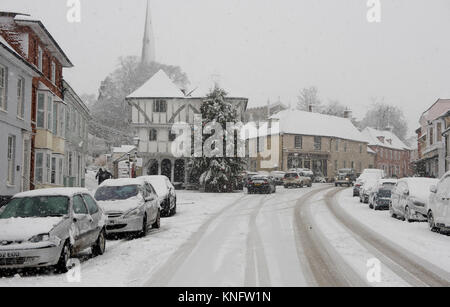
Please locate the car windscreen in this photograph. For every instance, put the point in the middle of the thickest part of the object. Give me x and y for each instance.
(116, 193)
(384, 193)
(39, 206)
(291, 175)
(388, 185)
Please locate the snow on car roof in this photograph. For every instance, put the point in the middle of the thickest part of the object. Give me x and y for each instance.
(69, 192)
(420, 187)
(122, 182)
(159, 183)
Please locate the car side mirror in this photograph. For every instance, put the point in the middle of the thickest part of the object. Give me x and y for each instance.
(433, 189)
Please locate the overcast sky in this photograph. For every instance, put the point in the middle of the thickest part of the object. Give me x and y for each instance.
(268, 48)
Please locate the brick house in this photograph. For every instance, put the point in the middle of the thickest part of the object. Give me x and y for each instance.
(49, 111)
(431, 143)
(298, 139)
(391, 154)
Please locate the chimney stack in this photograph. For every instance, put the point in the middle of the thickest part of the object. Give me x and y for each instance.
(348, 114)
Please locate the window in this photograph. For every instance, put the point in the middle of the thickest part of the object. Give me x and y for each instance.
(61, 128)
(3, 85)
(39, 59)
(336, 165)
(345, 146)
(91, 204)
(353, 165)
(439, 132)
(53, 69)
(298, 142)
(345, 164)
(55, 118)
(78, 205)
(60, 171)
(317, 143)
(11, 159)
(360, 149)
(160, 106)
(53, 171)
(153, 135)
(41, 111)
(39, 178)
(49, 111)
(431, 137)
(337, 145)
(49, 167)
(20, 97)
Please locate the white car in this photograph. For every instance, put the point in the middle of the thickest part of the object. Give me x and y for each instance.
(367, 188)
(439, 205)
(45, 228)
(166, 194)
(383, 184)
(131, 206)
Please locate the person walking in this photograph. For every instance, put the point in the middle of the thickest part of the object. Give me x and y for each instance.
(99, 176)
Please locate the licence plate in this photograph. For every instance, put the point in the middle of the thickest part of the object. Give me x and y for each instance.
(9, 255)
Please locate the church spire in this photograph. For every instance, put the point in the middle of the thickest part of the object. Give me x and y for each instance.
(148, 47)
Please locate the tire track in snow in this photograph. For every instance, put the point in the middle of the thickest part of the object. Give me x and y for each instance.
(256, 269)
(399, 260)
(323, 268)
(165, 273)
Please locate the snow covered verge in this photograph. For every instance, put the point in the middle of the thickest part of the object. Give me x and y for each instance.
(416, 238)
(130, 262)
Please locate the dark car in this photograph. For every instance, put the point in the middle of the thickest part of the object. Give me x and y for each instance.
(261, 184)
(345, 176)
(382, 199)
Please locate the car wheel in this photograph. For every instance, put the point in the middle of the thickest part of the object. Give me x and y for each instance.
(100, 245)
(174, 210)
(391, 212)
(408, 214)
(144, 230)
(63, 265)
(431, 222)
(157, 223)
(360, 200)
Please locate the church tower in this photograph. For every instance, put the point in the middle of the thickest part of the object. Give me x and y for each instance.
(148, 47)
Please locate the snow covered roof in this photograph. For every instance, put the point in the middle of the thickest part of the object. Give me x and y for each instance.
(69, 192)
(158, 86)
(384, 139)
(315, 124)
(124, 149)
(122, 182)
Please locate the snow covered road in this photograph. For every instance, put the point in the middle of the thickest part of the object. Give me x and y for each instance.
(319, 236)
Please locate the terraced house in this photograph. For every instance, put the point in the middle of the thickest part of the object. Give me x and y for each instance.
(32, 41)
(298, 139)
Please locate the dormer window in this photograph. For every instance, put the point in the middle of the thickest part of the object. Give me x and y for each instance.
(381, 139)
(389, 141)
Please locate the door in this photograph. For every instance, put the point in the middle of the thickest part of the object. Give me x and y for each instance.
(96, 216)
(83, 223)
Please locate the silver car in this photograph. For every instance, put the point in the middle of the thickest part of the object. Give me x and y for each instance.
(45, 228)
(131, 206)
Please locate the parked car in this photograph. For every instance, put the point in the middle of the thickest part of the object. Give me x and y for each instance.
(278, 177)
(367, 174)
(367, 188)
(438, 210)
(131, 206)
(380, 197)
(45, 228)
(345, 176)
(298, 180)
(262, 184)
(166, 192)
(247, 177)
(410, 197)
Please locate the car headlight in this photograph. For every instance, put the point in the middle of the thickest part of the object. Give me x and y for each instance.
(45, 237)
(132, 213)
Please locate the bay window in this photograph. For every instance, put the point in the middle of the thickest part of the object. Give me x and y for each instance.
(40, 117)
(49, 112)
(55, 118)
(39, 166)
(11, 159)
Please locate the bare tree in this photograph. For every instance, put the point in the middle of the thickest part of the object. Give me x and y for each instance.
(309, 97)
(384, 116)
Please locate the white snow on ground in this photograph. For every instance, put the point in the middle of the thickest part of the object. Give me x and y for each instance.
(414, 237)
(130, 262)
(346, 246)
